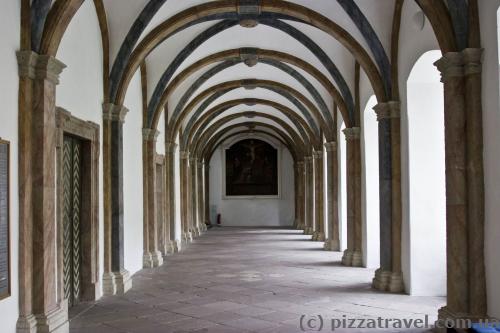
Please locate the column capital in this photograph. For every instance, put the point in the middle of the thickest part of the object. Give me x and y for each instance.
(149, 134)
(352, 133)
(318, 154)
(114, 112)
(308, 158)
(388, 110)
(331, 146)
(170, 147)
(300, 164)
(184, 155)
(42, 67)
(200, 164)
(473, 60)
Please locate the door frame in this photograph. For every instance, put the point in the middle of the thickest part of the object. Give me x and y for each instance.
(89, 133)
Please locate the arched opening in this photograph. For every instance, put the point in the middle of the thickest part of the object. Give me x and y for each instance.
(427, 197)
(371, 208)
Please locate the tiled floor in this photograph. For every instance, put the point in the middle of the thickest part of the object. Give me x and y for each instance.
(250, 280)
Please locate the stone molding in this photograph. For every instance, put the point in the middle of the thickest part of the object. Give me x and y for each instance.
(331, 146)
(184, 155)
(114, 112)
(352, 133)
(149, 134)
(249, 56)
(388, 110)
(39, 67)
(459, 64)
(318, 155)
(170, 147)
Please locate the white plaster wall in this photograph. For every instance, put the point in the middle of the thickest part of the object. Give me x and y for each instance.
(254, 212)
(81, 88)
(427, 201)
(342, 183)
(491, 123)
(132, 177)
(160, 143)
(414, 41)
(9, 39)
(370, 184)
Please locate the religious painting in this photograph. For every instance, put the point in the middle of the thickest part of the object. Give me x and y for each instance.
(4, 220)
(251, 169)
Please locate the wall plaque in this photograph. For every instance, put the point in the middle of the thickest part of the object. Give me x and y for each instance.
(4, 220)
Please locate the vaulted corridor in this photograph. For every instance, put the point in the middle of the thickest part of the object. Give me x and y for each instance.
(248, 280)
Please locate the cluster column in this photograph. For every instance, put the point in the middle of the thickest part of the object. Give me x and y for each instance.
(309, 200)
(152, 256)
(333, 241)
(171, 244)
(466, 290)
(185, 198)
(353, 255)
(389, 276)
(299, 202)
(41, 308)
(319, 222)
(116, 279)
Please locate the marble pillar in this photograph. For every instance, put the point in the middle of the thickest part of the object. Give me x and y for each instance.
(116, 279)
(152, 256)
(353, 255)
(333, 240)
(309, 200)
(195, 229)
(466, 292)
(186, 235)
(299, 224)
(319, 221)
(201, 200)
(41, 308)
(172, 245)
(389, 275)
(206, 193)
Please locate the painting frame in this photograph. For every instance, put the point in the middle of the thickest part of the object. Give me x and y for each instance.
(8, 292)
(227, 145)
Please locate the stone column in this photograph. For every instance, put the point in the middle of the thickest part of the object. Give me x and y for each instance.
(184, 178)
(206, 193)
(41, 308)
(201, 200)
(299, 179)
(389, 276)
(152, 256)
(172, 245)
(319, 221)
(195, 229)
(309, 201)
(353, 255)
(461, 77)
(116, 279)
(333, 241)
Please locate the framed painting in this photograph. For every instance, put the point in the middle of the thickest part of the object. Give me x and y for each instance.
(251, 169)
(4, 219)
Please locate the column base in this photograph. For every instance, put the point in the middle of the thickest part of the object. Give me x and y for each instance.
(347, 258)
(332, 245)
(462, 319)
(396, 285)
(116, 283)
(308, 230)
(187, 237)
(381, 280)
(147, 260)
(352, 258)
(173, 246)
(195, 232)
(318, 236)
(26, 324)
(56, 321)
(204, 227)
(300, 226)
